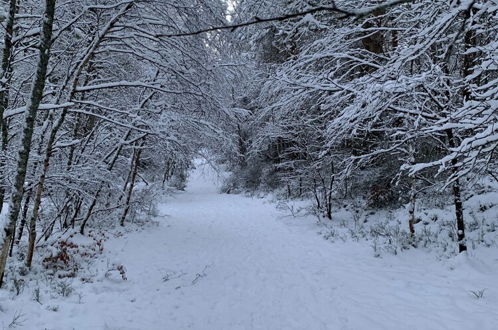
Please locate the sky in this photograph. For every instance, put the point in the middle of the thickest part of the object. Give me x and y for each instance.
(231, 7)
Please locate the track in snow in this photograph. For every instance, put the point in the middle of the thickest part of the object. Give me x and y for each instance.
(220, 261)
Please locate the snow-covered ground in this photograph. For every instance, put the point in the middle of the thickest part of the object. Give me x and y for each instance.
(217, 261)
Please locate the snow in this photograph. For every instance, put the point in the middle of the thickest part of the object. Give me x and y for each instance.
(4, 219)
(21, 110)
(217, 261)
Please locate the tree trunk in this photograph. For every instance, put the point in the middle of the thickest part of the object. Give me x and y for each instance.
(90, 210)
(413, 193)
(329, 192)
(97, 194)
(24, 216)
(457, 198)
(76, 212)
(4, 90)
(411, 209)
(36, 208)
(136, 164)
(31, 110)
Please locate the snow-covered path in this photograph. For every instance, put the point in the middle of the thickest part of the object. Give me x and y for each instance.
(232, 262)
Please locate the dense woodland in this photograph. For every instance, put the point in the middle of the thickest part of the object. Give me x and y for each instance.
(105, 104)
(387, 100)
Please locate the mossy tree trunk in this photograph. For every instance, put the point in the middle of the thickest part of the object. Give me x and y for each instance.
(36, 97)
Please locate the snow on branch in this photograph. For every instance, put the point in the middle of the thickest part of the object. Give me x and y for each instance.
(343, 13)
(128, 84)
(20, 110)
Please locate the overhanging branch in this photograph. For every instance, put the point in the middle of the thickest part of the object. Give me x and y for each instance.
(343, 13)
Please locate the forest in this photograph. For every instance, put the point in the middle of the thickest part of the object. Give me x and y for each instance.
(374, 120)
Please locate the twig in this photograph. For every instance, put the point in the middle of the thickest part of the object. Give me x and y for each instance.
(199, 275)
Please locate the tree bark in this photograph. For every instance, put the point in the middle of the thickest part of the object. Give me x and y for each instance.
(90, 210)
(413, 193)
(36, 208)
(133, 177)
(4, 89)
(24, 216)
(411, 209)
(457, 198)
(31, 110)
